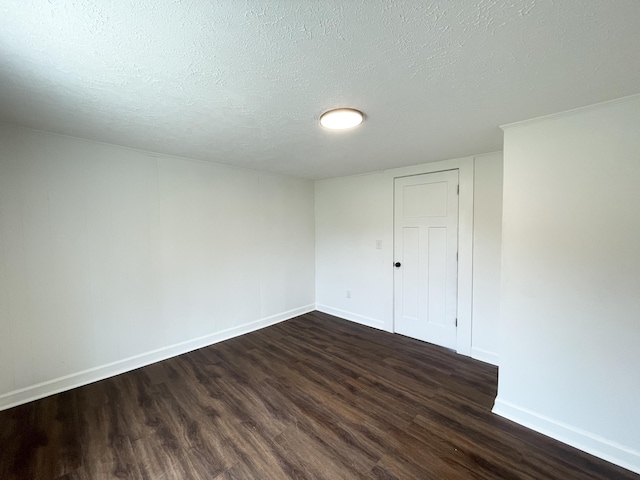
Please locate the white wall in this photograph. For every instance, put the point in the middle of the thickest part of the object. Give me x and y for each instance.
(112, 258)
(570, 356)
(352, 213)
(487, 243)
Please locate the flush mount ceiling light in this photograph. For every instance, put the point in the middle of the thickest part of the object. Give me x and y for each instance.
(341, 118)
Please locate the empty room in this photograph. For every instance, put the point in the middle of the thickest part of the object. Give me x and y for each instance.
(365, 239)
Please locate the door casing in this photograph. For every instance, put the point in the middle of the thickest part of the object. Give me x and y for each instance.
(426, 246)
(465, 238)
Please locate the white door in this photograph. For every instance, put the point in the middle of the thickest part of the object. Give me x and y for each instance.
(426, 250)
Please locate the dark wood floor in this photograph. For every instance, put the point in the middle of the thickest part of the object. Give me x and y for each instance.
(314, 397)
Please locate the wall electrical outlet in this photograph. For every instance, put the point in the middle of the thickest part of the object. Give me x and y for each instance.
(378, 244)
(348, 293)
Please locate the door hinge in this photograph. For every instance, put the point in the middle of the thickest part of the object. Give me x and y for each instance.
(458, 189)
(456, 256)
(456, 322)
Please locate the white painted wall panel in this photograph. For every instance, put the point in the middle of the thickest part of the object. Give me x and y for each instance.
(571, 279)
(12, 276)
(352, 213)
(34, 353)
(287, 243)
(487, 243)
(122, 224)
(210, 218)
(111, 258)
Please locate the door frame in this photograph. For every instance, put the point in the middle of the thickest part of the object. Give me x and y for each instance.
(465, 167)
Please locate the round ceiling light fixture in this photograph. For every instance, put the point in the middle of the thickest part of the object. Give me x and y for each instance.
(341, 118)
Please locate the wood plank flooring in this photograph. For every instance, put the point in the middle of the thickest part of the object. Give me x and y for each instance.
(312, 398)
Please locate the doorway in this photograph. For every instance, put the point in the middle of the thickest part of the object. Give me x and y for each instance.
(426, 256)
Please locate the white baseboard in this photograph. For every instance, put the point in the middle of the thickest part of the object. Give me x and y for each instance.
(354, 317)
(84, 377)
(613, 452)
(484, 356)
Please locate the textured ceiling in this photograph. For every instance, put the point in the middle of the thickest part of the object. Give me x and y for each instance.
(244, 82)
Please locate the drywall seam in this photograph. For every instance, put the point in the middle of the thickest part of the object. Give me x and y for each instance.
(84, 377)
(586, 441)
